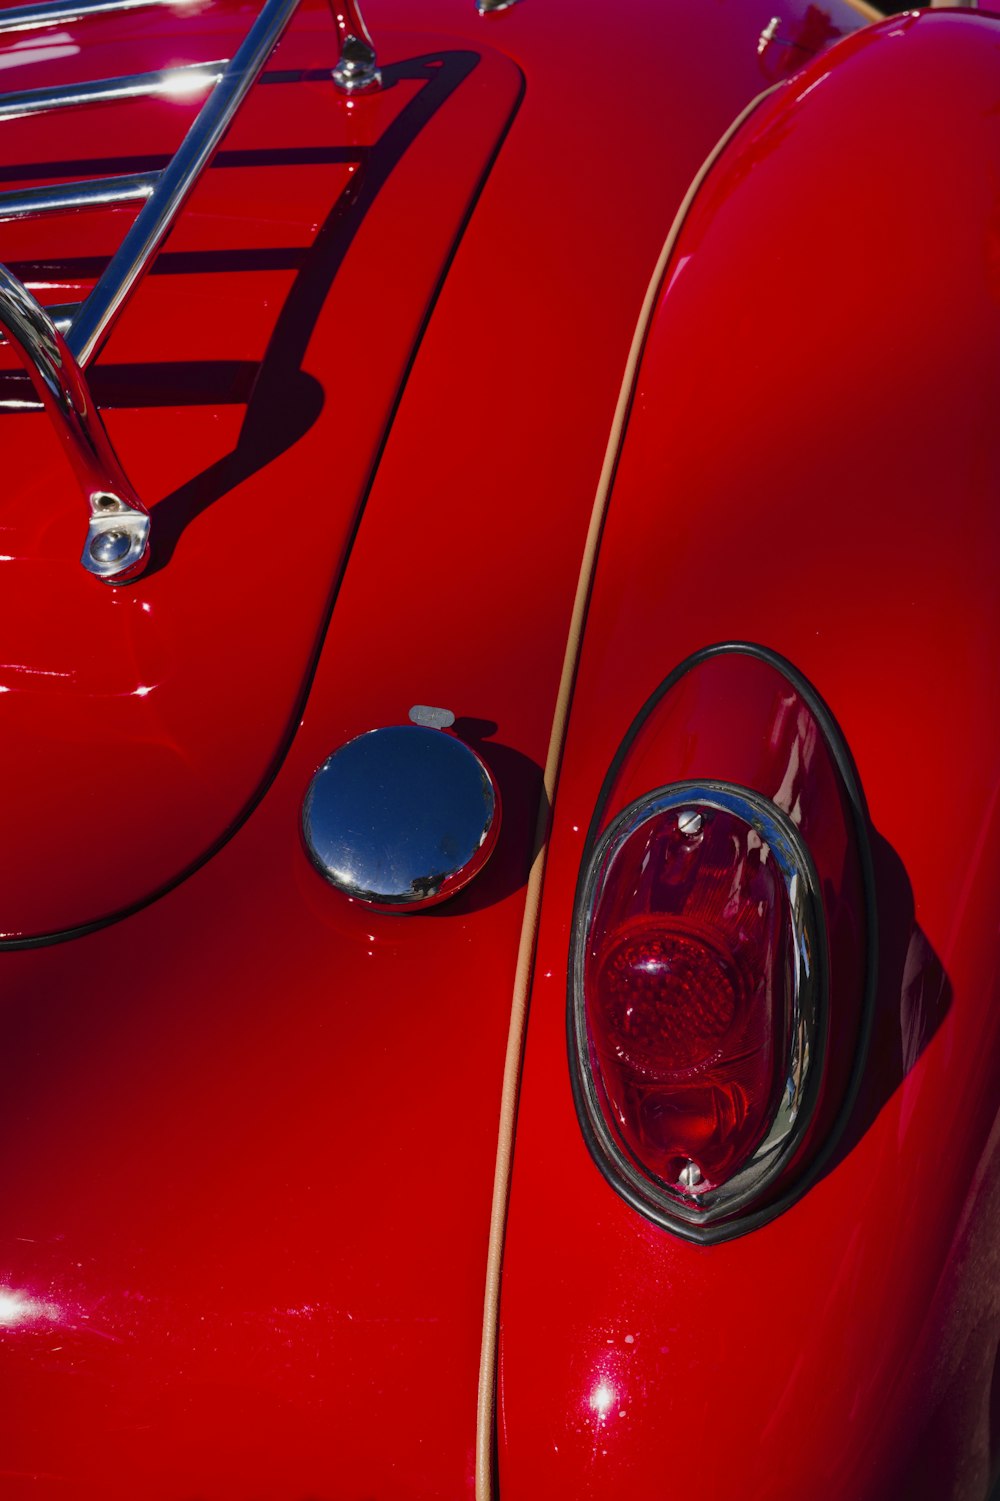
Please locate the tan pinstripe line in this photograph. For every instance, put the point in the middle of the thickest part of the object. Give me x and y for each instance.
(870, 12)
(529, 927)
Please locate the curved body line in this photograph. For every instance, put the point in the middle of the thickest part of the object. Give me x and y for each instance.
(526, 948)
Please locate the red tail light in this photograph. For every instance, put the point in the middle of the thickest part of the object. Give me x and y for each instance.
(700, 1005)
(720, 1007)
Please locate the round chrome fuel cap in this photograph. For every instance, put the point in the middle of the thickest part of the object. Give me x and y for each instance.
(401, 817)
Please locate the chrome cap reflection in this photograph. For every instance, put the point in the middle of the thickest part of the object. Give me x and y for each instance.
(401, 817)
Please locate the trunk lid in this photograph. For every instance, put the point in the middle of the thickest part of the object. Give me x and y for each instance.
(247, 390)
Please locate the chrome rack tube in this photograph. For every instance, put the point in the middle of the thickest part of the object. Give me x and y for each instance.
(129, 263)
(117, 543)
(98, 192)
(187, 80)
(60, 12)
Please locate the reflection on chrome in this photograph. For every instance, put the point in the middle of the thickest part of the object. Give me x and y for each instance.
(401, 817)
(115, 510)
(27, 203)
(183, 82)
(357, 68)
(32, 17)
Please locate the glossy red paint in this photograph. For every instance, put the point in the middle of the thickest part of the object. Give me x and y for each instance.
(249, 1129)
(812, 457)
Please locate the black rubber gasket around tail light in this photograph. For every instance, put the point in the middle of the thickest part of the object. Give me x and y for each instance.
(612, 1164)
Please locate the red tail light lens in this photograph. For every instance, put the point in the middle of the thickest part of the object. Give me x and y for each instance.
(699, 1004)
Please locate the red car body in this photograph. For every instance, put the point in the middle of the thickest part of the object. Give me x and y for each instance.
(253, 1204)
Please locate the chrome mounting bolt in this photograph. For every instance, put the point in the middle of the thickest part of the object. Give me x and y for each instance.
(768, 35)
(357, 68)
(690, 1176)
(689, 823)
(110, 547)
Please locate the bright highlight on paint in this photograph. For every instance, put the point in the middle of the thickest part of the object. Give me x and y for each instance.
(16, 1309)
(602, 1399)
(13, 1309)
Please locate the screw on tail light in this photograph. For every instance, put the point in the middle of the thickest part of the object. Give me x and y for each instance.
(699, 1007)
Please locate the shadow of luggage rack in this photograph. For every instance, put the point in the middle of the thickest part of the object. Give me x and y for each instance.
(55, 351)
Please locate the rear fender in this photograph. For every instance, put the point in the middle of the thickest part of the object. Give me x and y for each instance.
(811, 462)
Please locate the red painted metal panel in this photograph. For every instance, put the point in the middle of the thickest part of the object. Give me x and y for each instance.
(812, 462)
(249, 1133)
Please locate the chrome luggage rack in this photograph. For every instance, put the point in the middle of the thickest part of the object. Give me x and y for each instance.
(55, 351)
